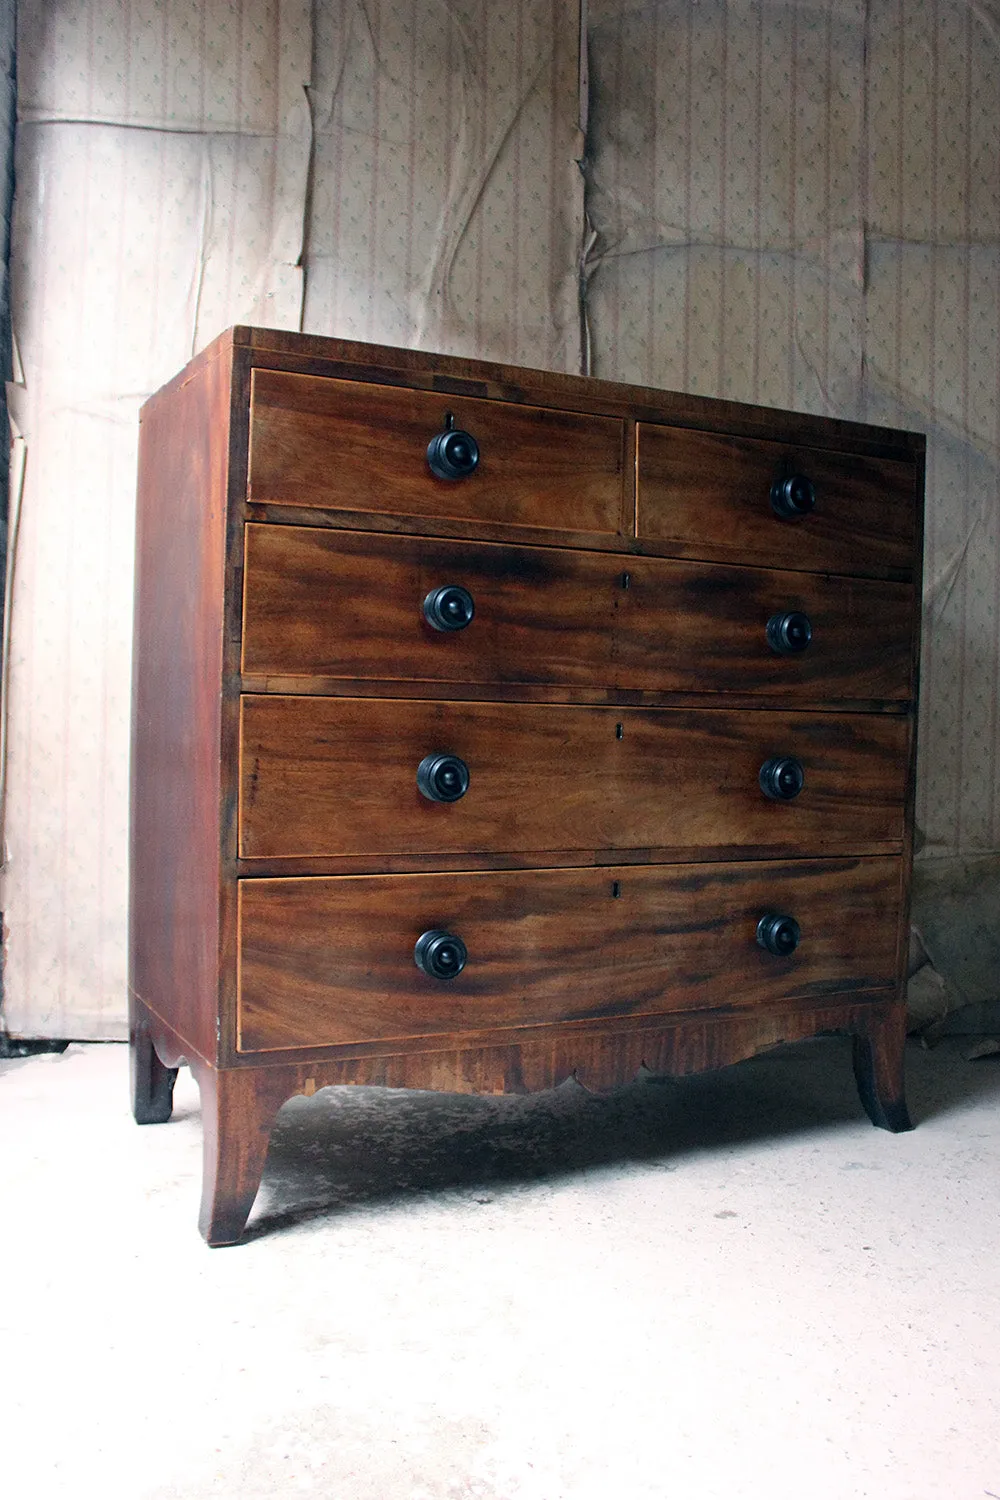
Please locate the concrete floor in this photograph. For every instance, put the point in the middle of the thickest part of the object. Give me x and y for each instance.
(728, 1287)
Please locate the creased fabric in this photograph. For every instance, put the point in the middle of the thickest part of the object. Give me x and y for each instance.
(395, 170)
(798, 204)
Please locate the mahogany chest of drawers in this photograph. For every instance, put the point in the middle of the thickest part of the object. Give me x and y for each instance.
(492, 726)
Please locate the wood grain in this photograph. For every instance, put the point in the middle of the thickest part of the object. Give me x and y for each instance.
(316, 441)
(238, 1110)
(602, 1053)
(708, 496)
(240, 1103)
(316, 354)
(322, 603)
(325, 776)
(330, 962)
(613, 960)
(879, 1068)
(176, 774)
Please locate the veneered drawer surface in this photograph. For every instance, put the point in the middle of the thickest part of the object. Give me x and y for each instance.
(329, 962)
(348, 605)
(708, 496)
(317, 441)
(337, 776)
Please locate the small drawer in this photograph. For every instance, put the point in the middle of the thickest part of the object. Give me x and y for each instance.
(328, 777)
(350, 606)
(341, 445)
(331, 962)
(703, 495)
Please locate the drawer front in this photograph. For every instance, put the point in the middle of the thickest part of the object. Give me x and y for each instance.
(709, 496)
(342, 445)
(338, 776)
(349, 605)
(330, 962)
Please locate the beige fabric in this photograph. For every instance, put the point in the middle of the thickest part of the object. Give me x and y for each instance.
(799, 204)
(796, 204)
(167, 184)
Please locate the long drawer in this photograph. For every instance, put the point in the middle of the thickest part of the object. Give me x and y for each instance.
(338, 776)
(349, 605)
(348, 446)
(327, 962)
(709, 496)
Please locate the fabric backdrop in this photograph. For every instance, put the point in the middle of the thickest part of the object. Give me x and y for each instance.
(796, 204)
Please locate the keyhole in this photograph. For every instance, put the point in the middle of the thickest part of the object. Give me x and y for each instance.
(626, 580)
(619, 731)
(616, 889)
(449, 421)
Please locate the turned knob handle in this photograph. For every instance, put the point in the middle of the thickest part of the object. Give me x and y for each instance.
(449, 608)
(443, 778)
(789, 632)
(440, 955)
(793, 497)
(452, 453)
(778, 934)
(782, 778)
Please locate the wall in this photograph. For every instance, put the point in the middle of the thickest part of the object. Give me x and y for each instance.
(446, 198)
(798, 204)
(401, 171)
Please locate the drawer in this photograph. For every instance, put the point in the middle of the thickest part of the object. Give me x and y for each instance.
(346, 446)
(338, 776)
(709, 496)
(330, 962)
(348, 605)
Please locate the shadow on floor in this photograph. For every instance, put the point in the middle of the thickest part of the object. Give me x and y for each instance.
(355, 1147)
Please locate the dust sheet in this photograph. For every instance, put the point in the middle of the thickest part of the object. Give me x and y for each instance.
(448, 201)
(403, 171)
(162, 161)
(798, 204)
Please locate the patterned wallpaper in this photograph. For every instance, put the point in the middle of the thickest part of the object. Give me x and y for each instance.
(447, 199)
(794, 203)
(799, 205)
(384, 169)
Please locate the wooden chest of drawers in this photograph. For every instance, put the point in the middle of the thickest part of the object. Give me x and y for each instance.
(492, 726)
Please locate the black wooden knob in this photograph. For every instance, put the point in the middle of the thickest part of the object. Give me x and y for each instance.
(793, 497)
(789, 633)
(452, 454)
(443, 778)
(449, 608)
(779, 935)
(440, 955)
(782, 778)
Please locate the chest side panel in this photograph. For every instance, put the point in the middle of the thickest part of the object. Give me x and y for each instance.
(176, 771)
